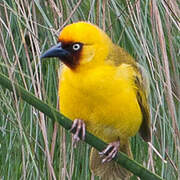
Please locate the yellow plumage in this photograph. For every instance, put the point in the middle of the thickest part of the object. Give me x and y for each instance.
(103, 86)
(104, 97)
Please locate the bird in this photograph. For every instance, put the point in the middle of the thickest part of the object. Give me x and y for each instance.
(104, 91)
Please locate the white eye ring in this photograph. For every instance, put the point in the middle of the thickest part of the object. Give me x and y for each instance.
(76, 47)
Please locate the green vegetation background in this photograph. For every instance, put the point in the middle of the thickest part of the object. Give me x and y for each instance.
(148, 30)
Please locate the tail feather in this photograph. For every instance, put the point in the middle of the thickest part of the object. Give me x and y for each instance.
(109, 170)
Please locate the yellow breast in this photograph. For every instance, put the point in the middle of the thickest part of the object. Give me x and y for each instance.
(104, 98)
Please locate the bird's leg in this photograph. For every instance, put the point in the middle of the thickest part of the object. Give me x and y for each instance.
(110, 151)
(80, 129)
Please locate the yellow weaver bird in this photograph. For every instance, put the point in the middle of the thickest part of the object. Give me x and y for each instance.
(103, 90)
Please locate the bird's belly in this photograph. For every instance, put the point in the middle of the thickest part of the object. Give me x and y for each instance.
(109, 116)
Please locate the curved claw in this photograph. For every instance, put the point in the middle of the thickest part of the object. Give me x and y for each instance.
(79, 127)
(110, 151)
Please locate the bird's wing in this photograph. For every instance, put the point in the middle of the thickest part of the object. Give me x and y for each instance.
(142, 88)
(119, 56)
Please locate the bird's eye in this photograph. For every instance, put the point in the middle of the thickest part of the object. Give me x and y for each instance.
(76, 47)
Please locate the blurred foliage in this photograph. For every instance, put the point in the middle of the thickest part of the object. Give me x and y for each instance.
(30, 27)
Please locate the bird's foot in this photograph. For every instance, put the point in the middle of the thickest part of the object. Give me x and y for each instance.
(80, 130)
(110, 151)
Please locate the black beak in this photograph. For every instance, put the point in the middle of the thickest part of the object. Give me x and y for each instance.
(56, 51)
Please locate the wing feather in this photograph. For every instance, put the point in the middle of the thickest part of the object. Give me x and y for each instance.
(142, 83)
(118, 56)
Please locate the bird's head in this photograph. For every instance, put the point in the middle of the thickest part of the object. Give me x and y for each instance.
(80, 43)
